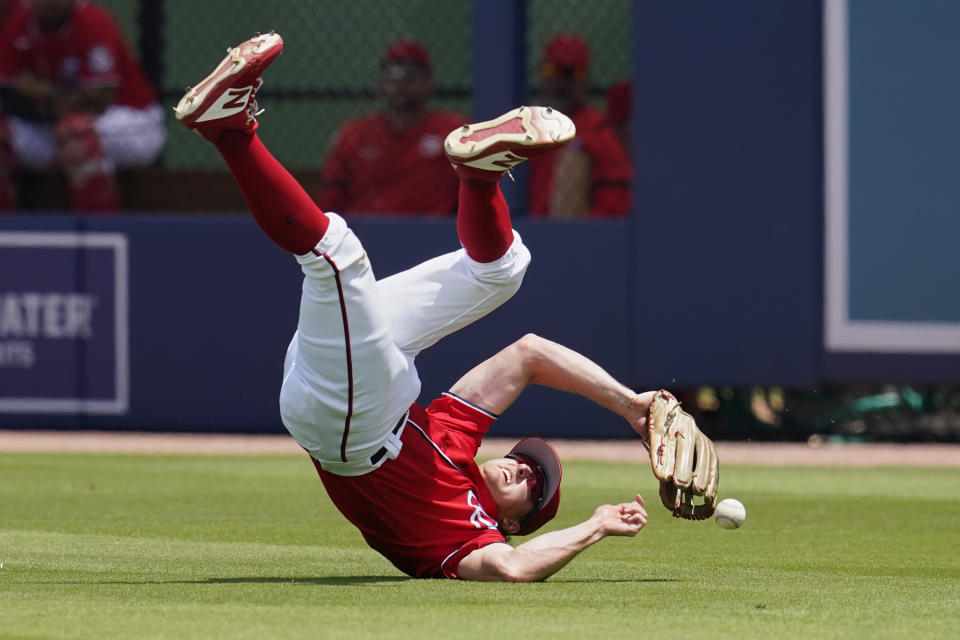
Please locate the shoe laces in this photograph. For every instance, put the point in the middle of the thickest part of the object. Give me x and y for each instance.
(253, 109)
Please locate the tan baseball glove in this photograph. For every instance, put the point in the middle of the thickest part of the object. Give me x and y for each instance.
(683, 459)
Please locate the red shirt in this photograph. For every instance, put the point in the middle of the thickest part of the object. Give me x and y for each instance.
(610, 171)
(374, 169)
(88, 51)
(13, 6)
(429, 508)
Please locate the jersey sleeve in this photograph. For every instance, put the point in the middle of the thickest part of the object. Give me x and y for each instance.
(454, 413)
(451, 565)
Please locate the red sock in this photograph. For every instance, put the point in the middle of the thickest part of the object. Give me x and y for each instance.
(277, 201)
(483, 220)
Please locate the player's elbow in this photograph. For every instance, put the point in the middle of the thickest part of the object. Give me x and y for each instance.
(531, 348)
(537, 355)
(512, 567)
(508, 571)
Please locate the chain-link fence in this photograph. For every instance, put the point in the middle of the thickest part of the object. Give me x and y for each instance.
(604, 25)
(329, 70)
(333, 70)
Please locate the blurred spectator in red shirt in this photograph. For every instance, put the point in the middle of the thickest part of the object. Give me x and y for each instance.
(76, 99)
(591, 176)
(8, 162)
(392, 161)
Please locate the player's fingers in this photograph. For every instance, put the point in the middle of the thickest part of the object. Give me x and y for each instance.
(643, 508)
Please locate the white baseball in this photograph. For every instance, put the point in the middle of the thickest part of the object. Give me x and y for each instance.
(730, 513)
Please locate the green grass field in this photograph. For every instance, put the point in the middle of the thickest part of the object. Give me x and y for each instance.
(132, 546)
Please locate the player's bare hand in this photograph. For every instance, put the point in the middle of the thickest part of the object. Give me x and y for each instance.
(624, 519)
(638, 416)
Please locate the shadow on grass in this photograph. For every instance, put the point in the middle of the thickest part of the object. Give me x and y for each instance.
(609, 581)
(329, 580)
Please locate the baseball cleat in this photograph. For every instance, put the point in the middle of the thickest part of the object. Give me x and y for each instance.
(487, 150)
(225, 99)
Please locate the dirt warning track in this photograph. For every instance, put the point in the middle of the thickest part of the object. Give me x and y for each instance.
(753, 453)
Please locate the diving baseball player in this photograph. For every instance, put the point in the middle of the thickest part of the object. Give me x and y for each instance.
(403, 474)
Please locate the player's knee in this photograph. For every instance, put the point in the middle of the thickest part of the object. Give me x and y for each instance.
(508, 270)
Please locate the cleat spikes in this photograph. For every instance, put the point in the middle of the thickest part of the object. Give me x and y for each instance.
(487, 150)
(225, 99)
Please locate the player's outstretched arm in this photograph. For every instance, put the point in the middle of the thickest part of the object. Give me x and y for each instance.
(498, 381)
(542, 556)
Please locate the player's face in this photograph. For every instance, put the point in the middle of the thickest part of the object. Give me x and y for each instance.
(563, 91)
(406, 87)
(514, 487)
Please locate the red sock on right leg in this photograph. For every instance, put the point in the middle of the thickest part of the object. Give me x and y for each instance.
(277, 201)
(483, 220)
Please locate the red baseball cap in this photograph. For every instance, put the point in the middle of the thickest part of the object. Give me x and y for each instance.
(406, 52)
(543, 459)
(567, 51)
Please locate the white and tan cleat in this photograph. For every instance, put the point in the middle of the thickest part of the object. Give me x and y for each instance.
(486, 150)
(226, 99)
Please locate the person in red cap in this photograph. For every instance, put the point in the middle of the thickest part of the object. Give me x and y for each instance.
(75, 99)
(392, 161)
(592, 176)
(405, 475)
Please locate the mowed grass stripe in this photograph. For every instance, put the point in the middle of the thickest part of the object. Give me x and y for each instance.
(117, 546)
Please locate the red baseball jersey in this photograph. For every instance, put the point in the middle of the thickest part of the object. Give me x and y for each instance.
(430, 507)
(373, 169)
(610, 171)
(88, 51)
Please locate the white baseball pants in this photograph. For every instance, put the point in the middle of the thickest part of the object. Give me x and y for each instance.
(349, 374)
